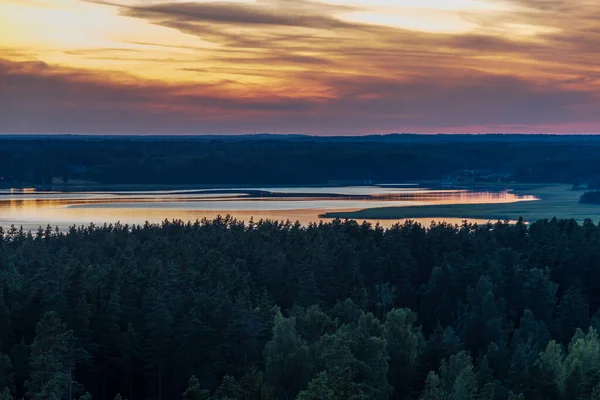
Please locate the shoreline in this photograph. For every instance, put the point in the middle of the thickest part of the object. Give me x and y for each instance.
(555, 200)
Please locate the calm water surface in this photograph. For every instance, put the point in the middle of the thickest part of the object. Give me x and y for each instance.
(31, 209)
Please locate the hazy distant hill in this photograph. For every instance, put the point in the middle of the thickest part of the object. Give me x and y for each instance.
(386, 138)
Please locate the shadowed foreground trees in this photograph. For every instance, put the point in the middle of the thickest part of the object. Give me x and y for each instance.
(221, 310)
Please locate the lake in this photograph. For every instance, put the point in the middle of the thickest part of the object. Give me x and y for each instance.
(31, 208)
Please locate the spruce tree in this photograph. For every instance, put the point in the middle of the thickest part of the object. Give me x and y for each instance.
(229, 389)
(319, 388)
(5, 394)
(433, 388)
(49, 360)
(6, 373)
(404, 345)
(194, 391)
(286, 359)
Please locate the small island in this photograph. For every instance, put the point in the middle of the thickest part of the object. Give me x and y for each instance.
(592, 197)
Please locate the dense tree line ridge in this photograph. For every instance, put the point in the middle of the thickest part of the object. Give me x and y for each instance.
(247, 161)
(220, 309)
(591, 197)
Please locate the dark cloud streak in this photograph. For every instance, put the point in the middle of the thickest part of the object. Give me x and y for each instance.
(42, 99)
(329, 73)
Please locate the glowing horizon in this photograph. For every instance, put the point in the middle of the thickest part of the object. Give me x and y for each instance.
(299, 66)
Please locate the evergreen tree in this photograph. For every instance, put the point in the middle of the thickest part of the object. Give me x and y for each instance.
(487, 392)
(312, 323)
(540, 294)
(308, 291)
(49, 364)
(253, 385)
(346, 312)
(130, 355)
(342, 387)
(458, 377)
(157, 323)
(596, 393)
(243, 334)
(520, 374)
(484, 318)
(229, 389)
(368, 345)
(513, 396)
(6, 334)
(404, 345)
(582, 365)
(549, 372)
(385, 296)
(442, 343)
(5, 395)
(529, 340)
(286, 359)
(572, 313)
(106, 313)
(6, 373)
(195, 392)
(319, 388)
(433, 388)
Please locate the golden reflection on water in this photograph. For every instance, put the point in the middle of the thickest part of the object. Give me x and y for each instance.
(32, 209)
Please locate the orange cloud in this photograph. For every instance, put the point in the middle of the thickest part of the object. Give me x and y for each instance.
(298, 66)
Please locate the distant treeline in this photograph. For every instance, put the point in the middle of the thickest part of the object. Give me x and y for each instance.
(219, 310)
(592, 197)
(296, 160)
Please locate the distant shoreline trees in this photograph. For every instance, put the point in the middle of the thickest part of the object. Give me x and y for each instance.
(592, 197)
(243, 161)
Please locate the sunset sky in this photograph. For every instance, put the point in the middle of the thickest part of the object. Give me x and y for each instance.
(318, 67)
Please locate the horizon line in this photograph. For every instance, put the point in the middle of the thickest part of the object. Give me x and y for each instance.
(306, 135)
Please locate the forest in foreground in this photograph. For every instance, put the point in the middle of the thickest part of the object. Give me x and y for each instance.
(221, 310)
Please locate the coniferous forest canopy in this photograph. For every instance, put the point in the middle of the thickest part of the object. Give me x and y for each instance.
(295, 159)
(222, 310)
(225, 310)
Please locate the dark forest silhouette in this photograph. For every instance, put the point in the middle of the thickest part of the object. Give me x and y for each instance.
(225, 310)
(247, 161)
